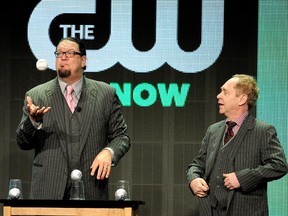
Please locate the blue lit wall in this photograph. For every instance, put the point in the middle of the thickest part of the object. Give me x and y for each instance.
(272, 76)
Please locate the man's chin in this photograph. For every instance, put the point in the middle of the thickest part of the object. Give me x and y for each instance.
(63, 73)
(221, 111)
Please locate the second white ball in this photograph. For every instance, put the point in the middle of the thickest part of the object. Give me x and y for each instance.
(76, 174)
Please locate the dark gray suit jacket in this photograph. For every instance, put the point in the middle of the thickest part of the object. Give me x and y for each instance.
(257, 159)
(102, 126)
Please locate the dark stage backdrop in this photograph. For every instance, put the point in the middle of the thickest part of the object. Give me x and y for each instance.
(167, 60)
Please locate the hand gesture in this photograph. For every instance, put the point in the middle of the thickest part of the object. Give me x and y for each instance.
(199, 187)
(102, 162)
(35, 112)
(231, 181)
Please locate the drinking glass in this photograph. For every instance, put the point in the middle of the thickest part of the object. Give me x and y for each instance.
(123, 191)
(77, 190)
(15, 189)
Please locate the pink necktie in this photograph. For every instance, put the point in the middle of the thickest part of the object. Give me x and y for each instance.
(69, 98)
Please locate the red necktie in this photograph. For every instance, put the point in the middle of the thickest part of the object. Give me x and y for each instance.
(229, 133)
(69, 98)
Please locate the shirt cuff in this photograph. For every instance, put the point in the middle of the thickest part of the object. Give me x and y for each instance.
(37, 125)
(112, 152)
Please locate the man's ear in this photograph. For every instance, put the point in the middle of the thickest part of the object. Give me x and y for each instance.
(243, 99)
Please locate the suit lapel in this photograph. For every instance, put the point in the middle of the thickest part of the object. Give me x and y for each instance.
(55, 100)
(237, 141)
(216, 142)
(88, 99)
(239, 137)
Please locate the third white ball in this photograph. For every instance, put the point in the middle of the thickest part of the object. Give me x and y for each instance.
(14, 193)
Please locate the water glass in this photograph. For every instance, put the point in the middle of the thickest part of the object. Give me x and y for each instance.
(124, 192)
(77, 190)
(15, 189)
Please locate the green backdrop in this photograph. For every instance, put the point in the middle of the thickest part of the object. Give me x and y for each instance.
(272, 77)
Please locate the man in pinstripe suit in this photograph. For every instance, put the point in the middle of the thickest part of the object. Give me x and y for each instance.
(231, 178)
(91, 137)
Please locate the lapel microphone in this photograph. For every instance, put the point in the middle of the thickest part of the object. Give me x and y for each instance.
(78, 109)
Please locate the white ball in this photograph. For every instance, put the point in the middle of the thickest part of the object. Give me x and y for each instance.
(120, 194)
(42, 64)
(76, 174)
(14, 193)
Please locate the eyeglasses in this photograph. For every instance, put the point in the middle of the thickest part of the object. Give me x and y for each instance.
(69, 54)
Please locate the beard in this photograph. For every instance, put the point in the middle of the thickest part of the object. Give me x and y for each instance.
(64, 73)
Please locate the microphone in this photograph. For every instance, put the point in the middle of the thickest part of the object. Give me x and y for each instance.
(78, 109)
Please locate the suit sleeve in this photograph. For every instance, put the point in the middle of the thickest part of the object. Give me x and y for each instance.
(26, 133)
(197, 168)
(118, 138)
(273, 161)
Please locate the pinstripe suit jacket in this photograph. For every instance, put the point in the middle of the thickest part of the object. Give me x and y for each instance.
(257, 159)
(102, 125)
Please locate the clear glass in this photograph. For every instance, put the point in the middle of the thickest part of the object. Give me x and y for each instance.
(125, 191)
(15, 189)
(77, 190)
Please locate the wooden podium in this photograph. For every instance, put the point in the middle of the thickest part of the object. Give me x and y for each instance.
(70, 207)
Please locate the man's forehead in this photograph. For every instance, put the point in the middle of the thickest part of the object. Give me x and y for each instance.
(230, 84)
(67, 43)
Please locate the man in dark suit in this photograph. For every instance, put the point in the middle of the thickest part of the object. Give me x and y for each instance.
(90, 137)
(230, 176)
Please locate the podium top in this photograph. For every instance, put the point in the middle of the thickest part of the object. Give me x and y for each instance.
(72, 203)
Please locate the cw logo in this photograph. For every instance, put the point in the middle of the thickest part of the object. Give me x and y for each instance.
(119, 47)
